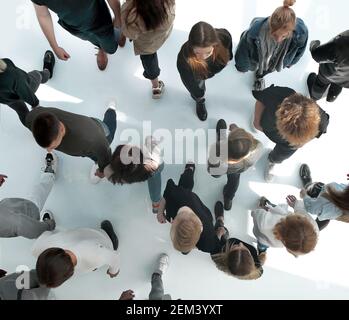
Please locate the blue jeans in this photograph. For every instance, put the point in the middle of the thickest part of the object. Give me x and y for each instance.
(154, 184)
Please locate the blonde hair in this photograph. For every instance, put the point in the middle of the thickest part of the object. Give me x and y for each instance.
(3, 66)
(298, 119)
(297, 233)
(238, 263)
(340, 199)
(186, 229)
(283, 18)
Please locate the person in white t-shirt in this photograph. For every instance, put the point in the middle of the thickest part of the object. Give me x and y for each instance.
(62, 254)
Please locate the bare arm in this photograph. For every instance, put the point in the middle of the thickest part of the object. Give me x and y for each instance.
(116, 7)
(259, 108)
(46, 24)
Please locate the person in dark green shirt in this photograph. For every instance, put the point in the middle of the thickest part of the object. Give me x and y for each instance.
(86, 19)
(18, 86)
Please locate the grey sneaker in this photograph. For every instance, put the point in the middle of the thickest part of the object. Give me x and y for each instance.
(259, 84)
(162, 264)
(51, 163)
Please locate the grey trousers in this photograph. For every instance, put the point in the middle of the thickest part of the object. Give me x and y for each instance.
(10, 291)
(157, 288)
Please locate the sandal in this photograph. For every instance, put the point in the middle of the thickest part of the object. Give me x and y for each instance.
(157, 92)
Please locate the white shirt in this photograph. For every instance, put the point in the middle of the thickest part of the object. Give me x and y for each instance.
(92, 248)
(265, 221)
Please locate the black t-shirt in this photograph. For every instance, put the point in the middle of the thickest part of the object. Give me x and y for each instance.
(80, 15)
(177, 197)
(271, 98)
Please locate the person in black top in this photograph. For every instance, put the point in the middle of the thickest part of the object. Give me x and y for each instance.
(192, 221)
(206, 53)
(288, 119)
(18, 87)
(333, 59)
(86, 19)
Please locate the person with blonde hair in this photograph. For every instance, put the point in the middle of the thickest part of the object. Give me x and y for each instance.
(325, 201)
(148, 23)
(232, 155)
(207, 52)
(275, 226)
(192, 222)
(18, 87)
(272, 44)
(289, 119)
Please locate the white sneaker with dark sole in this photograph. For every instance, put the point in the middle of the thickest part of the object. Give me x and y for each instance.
(51, 163)
(162, 264)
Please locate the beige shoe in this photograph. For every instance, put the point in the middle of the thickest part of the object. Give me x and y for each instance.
(102, 59)
(157, 92)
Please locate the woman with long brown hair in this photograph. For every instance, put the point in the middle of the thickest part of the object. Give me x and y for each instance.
(271, 44)
(207, 52)
(148, 23)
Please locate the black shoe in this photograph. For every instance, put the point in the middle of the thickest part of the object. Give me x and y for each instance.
(221, 128)
(310, 82)
(218, 210)
(49, 62)
(228, 202)
(305, 174)
(322, 224)
(108, 228)
(333, 92)
(47, 216)
(201, 110)
(263, 201)
(49, 163)
(190, 166)
(2, 273)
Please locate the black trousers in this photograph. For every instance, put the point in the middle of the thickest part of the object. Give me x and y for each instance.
(150, 64)
(232, 185)
(281, 152)
(187, 179)
(320, 86)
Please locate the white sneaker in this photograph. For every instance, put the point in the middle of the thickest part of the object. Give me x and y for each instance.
(269, 172)
(93, 178)
(51, 163)
(162, 264)
(111, 105)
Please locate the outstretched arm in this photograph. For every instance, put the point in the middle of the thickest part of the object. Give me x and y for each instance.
(46, 24)
(116, 7)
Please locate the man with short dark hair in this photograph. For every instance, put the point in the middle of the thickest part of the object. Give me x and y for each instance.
(75, 135)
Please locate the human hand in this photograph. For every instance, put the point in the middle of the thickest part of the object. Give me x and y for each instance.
(61, 53)
(99, 174)
(291, 201)
(161, 217)
(257, 125)
(2, 179)
(127, 295)
(303, 193)
(220, 232)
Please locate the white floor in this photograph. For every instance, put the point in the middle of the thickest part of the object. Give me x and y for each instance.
(79, 87)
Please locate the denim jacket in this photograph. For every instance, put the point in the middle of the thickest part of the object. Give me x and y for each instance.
(248, 53)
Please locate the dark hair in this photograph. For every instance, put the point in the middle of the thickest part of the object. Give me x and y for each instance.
(153, 12)
(128, 173)
(54, 266)
(240, 262)
(240, 143)
(339, 198)
(203, 35)
(45, 129)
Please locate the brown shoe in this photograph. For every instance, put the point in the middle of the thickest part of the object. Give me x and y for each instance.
(102, 59)
(122, 40)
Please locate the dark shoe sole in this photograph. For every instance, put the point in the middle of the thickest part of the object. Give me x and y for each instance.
(310, 82)
(49, 61)
(108, 228)
(218, 210)
(305, 174)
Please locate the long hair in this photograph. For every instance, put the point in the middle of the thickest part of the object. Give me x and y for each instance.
(238, 264)
(240, 144)
(203, 35)
(340, 199)
(298, 119)
(154, 13)
(128, 171)
(283, 18)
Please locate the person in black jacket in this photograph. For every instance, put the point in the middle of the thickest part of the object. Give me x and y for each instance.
(288, 119)
(18, 87)
(192, 222)
(206, 53)
(333, 59)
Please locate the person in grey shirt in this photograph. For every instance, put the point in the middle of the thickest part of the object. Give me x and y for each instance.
(75, 135)
(22, 286)
(21, 216)
(232, 155)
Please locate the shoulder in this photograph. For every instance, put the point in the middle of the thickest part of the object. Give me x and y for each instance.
(301, 31)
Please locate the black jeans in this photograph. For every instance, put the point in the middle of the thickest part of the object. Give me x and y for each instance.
(320, 86)
(201, 84)
(232, 185)
(187, 179)
(281, 152)
(36, 78)
(151, 66)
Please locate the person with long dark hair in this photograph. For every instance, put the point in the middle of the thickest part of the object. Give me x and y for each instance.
(207, 52)
(148, 23)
